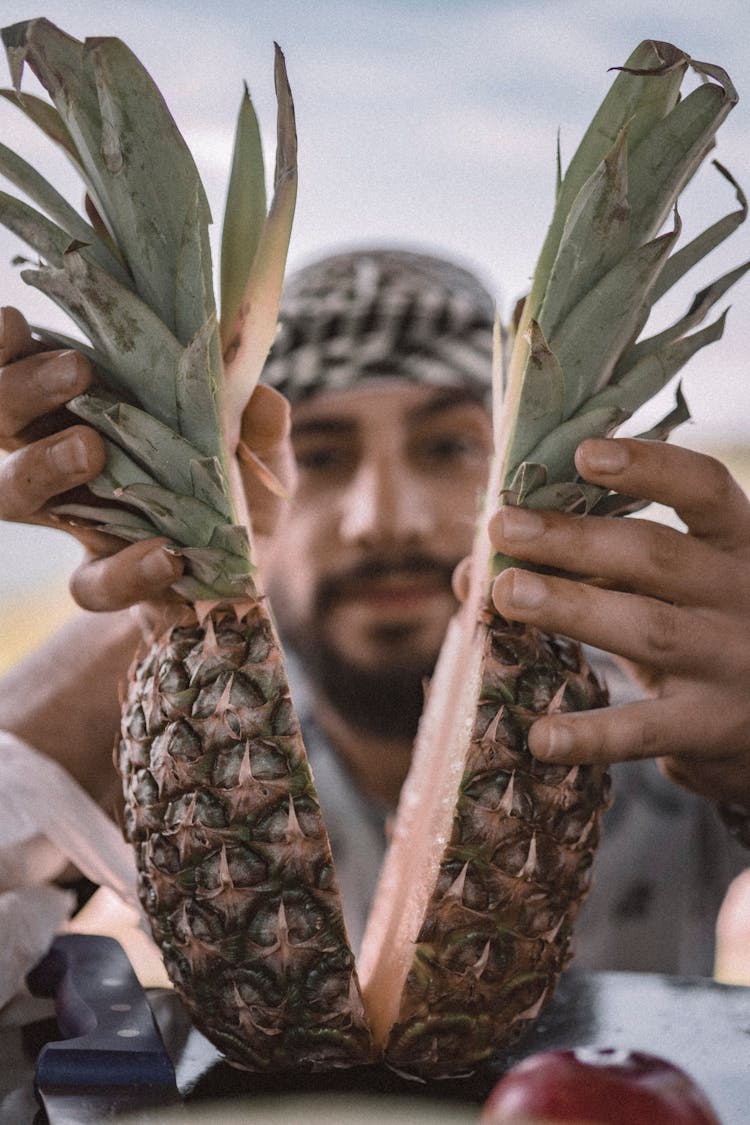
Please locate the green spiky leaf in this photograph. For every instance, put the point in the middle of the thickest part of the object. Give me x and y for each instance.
(47, 118)
(70, 225)
(175, 462)
(252, 335)
(138, 166)
(604, 264)
(130, 340)
(245, 215)
(135, 276)
(688, 256)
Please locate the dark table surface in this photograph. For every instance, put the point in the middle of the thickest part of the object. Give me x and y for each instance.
(698, 1024)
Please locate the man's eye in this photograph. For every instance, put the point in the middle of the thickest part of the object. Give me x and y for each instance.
(321, 459)
(450, 447)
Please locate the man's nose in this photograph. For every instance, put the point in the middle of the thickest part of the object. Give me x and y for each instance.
(384, 503)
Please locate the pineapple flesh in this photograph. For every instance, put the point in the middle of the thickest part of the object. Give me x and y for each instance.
(498, 845)
(492, 851)
(236, 874)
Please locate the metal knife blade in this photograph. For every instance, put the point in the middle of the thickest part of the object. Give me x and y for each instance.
(111, 1059)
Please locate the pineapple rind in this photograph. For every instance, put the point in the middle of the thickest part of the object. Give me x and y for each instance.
(497, 930)
(235, 867)
(236, 873)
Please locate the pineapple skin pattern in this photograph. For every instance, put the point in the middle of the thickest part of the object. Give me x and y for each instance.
(235, 867)
(497, 931)
(236, 870)
(237, 878)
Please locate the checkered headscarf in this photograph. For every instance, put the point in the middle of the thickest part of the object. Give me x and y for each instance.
(372, 313)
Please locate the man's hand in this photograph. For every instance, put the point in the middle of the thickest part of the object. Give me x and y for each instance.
(675, 605)
(49, 453)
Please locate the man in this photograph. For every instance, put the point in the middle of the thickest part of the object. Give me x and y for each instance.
(385, 359)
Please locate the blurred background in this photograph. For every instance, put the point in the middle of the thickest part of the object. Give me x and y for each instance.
(427, 124)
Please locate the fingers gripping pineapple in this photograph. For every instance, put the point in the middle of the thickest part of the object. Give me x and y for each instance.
(235, 866)
(492, 851)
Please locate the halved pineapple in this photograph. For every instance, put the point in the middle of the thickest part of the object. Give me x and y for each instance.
(492, 851)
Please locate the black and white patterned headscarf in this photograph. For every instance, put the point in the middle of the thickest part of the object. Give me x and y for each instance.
(381, 313)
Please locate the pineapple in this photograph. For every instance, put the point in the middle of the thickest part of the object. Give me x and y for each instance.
(491, 851)
(235, 865)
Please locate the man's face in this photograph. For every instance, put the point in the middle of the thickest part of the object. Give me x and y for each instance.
(359, 573)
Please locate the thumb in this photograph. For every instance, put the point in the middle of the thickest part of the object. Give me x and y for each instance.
(266, 457)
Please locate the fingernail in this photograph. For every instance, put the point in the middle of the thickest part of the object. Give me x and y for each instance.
(64, 375)
(70, 455)
(519, 523)
(605, 456)
(461, 580)
(557, 742)
(526, 590)
(157, 567)
(269, 418)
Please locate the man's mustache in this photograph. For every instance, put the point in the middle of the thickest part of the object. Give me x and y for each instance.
(412, 565)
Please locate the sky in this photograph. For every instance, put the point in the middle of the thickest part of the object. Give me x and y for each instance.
(430, 125)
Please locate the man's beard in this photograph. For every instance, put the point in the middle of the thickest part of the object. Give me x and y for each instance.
(387, 700)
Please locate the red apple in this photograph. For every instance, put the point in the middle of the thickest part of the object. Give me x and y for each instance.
(597, 1086)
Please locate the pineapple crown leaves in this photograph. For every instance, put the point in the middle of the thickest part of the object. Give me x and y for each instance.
(578, 367)
(135, 276)
(254, 248)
